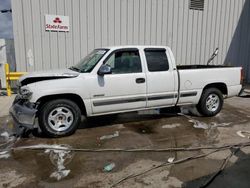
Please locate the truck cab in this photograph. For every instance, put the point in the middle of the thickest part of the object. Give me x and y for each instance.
(134, 80)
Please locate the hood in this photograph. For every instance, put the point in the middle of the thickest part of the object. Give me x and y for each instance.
(47, 75)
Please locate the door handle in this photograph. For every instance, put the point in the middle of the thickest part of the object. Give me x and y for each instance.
(140, 80)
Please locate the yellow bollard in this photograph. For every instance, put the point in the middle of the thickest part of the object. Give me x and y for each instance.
(7, 71)
(11, 76)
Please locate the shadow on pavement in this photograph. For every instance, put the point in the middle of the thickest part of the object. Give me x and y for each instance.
(237, 175)
(105, 120)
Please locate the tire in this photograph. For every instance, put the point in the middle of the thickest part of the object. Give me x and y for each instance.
(59, 118)
(211, 102)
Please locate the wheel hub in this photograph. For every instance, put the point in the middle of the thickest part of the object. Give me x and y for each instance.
(60, 119)
(212, 102)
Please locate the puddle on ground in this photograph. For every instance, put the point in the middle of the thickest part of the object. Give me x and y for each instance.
(144, 130)
(141, 128)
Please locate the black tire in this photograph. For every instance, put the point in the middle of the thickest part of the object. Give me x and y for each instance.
(51, 106)
(202, 105)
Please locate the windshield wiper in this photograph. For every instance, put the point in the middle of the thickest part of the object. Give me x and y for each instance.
(74, 69)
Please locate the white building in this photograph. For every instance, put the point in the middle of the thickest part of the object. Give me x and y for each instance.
(192, 28)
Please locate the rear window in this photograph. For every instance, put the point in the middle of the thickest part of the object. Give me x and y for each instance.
(156, 60)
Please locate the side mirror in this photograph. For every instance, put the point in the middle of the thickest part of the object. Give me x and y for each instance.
(104, 69)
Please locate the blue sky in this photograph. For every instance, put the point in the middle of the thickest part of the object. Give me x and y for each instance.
(6, 29)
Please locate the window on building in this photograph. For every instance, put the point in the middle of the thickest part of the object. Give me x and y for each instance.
(125, 61)
(156, 60)
(196, 4)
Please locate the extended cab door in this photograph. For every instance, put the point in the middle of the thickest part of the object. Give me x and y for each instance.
(125, 88)
(161, 78)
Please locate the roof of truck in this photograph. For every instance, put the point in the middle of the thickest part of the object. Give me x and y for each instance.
(134, 46)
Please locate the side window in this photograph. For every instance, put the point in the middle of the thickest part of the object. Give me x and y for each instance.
(156, 60)
(127, 61)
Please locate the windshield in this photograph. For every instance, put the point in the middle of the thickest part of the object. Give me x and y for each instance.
(88, 63)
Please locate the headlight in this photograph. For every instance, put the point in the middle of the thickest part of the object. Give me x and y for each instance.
(25, 92)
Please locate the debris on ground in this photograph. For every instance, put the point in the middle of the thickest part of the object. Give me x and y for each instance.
(199, 124)
(116, 134)
(59, 158)
(243, 134)
(171, 159)
(170, 126)
(220, 124)
(61, 173)
(4, 154)
(59, 155)
(109, 167)
(202, 125)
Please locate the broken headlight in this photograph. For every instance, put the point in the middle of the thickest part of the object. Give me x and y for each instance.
(25, 92)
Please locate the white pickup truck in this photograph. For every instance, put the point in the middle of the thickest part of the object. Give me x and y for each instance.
(120, 79)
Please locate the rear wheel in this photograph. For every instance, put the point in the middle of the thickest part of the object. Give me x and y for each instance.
(59, 118)
(211, 102)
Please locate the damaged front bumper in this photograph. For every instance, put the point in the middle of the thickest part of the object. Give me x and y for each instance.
(23, 113)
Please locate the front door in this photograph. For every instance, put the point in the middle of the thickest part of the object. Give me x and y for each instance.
(125, 88)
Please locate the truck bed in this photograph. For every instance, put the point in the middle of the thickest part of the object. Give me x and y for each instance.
(196, 77)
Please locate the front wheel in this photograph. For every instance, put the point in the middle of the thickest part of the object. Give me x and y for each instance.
(211, 102)
(59, 118)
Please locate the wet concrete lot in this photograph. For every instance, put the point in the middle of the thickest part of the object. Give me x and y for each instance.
(45, 162)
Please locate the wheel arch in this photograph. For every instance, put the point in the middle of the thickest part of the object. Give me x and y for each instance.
(70, 96)
(219, 85)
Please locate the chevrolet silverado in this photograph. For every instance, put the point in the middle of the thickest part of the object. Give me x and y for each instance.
(119, 79)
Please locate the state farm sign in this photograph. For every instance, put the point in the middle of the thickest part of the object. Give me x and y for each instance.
(56, 23)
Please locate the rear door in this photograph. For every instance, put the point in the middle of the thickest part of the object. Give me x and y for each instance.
(160, 78)
(125, 88)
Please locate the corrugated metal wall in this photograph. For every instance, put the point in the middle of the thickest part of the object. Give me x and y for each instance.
(192, 34)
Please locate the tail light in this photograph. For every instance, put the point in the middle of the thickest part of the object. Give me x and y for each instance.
(241, 76)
